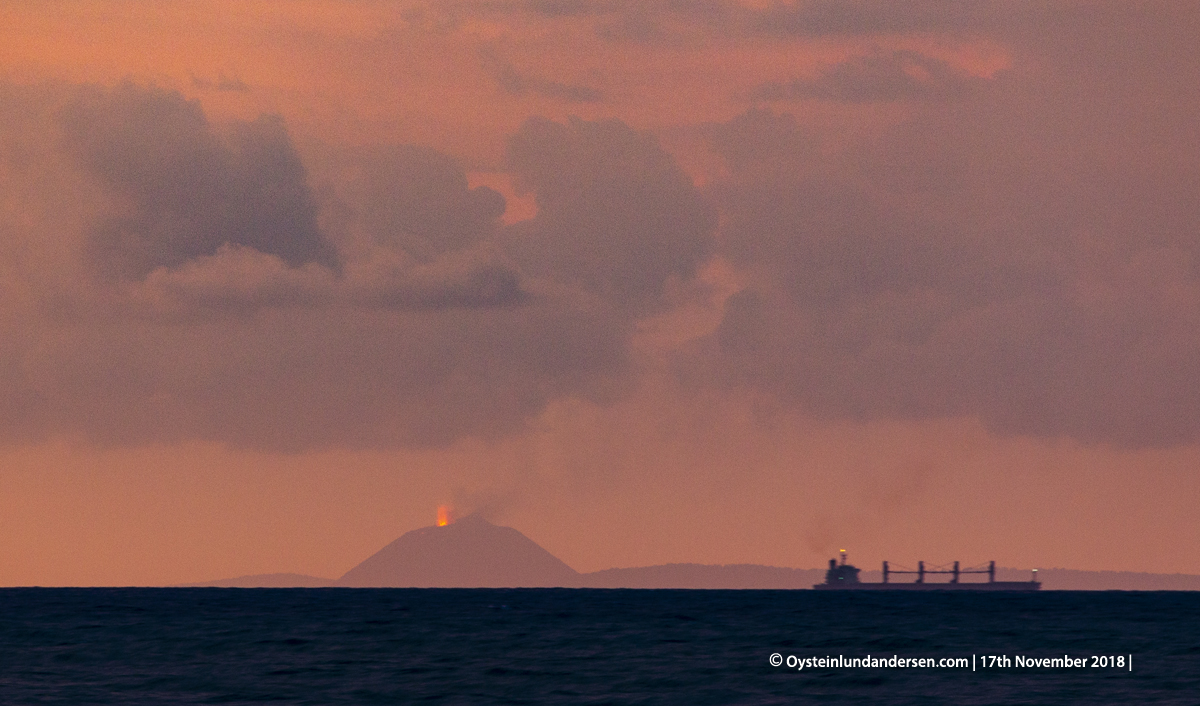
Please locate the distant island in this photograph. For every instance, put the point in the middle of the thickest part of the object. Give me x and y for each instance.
(474, 553)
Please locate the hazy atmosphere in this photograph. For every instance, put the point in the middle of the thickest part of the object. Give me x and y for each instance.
(650, 281)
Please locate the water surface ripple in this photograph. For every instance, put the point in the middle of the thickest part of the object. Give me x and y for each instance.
(582, 646)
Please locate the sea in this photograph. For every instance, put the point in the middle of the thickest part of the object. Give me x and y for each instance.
(595, 646)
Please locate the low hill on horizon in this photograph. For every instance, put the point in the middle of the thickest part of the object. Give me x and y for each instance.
(711, 576)
(1079, 580)
(265, 581)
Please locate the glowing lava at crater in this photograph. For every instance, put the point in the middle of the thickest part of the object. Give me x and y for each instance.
(443, 516)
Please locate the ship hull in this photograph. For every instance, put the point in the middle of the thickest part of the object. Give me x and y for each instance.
(991, 586)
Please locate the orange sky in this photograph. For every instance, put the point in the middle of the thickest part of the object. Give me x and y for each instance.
(937, 300)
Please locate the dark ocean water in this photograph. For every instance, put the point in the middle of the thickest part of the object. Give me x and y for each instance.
(534, 646)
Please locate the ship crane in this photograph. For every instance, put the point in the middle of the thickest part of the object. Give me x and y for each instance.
(954, 573)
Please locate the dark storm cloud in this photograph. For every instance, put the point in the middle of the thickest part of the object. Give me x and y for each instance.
(186, 190)
(226, 322)
(418, 199)
(1028, 254)
(878, 76)
(616, 215)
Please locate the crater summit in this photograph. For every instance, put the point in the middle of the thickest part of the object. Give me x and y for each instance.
(468, 553)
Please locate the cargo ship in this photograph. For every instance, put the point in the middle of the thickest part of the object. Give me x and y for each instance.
(844, 577)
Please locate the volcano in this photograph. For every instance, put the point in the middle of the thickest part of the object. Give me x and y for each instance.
(469, 553)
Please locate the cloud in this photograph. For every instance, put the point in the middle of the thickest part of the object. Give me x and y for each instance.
(418, 200)
(185, 190)
(664, 20)
(519, 84)
(381, 312)
(469, 280)
(293, 379)
(1029, 257)
(856, 17)
(223, 83)
(617, 217)
(240, 280)
(569, 8)
(878, 76)
(1025, 253)
(233, 279)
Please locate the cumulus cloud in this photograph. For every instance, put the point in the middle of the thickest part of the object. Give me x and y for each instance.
(225, 310)
(418, 200)
(616, 217)
(235, 278)
(185, 190)
(472, 279)
(1026, 253)
(1029, 257)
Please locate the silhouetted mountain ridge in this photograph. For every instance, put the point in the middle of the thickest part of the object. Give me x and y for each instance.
(716, 576)
(474, 553)
(266, 581)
